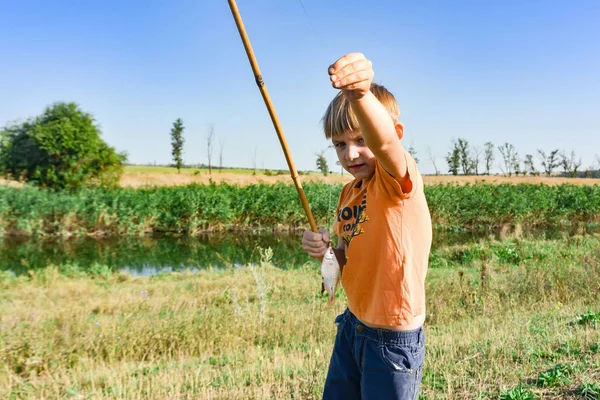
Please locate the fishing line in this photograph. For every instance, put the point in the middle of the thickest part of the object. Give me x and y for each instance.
(319, 40)
(307, 17)
(329, 208)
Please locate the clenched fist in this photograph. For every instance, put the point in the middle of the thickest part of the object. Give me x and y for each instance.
(315, 244)
(352, 74)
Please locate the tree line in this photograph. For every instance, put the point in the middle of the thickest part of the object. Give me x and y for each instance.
(62, 149)
(464, 159)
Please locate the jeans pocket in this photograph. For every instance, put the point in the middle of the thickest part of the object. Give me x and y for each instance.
(406, 359)
(339, 319)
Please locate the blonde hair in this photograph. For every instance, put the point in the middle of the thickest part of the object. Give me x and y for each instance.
(339, 117)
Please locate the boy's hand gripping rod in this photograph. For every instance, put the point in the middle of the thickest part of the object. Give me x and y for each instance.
(271, 109)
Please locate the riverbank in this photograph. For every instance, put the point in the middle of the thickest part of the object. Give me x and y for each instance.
(503, 316)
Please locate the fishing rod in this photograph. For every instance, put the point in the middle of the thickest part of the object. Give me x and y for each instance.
(265, 94)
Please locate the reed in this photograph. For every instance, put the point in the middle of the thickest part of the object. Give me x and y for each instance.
(193, 209)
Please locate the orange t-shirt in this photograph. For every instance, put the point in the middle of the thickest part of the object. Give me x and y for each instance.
(388, 251)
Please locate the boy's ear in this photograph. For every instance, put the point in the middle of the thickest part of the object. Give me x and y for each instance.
(399, 130)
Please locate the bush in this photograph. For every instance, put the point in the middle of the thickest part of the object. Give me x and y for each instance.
(60, 149)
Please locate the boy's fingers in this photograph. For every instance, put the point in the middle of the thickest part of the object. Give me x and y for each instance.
(349, 69)
(315, 249)
(344, 60)
(354, 79)
(314, 242)
(310, 244)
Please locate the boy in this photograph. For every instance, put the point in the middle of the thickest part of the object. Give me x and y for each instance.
(384, 228)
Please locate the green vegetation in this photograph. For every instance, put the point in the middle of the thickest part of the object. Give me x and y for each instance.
(177, 141)
(60, 149)
(517, 393)
(196, 208)
(498, 328)
(590, 391)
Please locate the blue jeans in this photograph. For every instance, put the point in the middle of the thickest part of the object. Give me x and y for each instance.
(372, 363)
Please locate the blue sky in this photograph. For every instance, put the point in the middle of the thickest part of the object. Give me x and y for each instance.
(524, 72)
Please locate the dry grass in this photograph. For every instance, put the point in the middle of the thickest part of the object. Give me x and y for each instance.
(499, 179)
(4, 182)
(136, 179)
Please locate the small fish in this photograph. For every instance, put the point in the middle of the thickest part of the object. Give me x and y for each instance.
(330, 270)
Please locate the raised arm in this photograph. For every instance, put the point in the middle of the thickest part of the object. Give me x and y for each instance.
(353, 75)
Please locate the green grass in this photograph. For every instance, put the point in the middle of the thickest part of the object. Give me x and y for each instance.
(497, 328)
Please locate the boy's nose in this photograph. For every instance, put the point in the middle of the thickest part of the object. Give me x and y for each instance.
(351, 153)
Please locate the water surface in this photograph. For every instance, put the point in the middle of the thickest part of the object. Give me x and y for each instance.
(151, 255)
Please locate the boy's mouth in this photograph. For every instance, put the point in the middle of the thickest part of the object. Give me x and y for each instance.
(355, 167)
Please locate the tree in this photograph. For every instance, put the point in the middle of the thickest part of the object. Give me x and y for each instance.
(475, 159)
(432, 159)
(60, 149)
(177, 143)
(510, 158)
(549, 162)
(209, 141)
(596, 173)
(570, 165)
(465, 160)
(221, 145)
(515, 162)
(322, 163)
(488, 156)
(413, 152)
(453, 159)
(530, 165)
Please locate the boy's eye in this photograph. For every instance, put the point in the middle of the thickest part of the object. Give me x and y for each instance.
(361, 140)
(339, 145)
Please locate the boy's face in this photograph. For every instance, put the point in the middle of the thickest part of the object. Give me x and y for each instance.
(354, 154)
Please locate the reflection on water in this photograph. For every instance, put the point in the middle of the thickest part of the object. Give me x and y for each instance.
(152, 255)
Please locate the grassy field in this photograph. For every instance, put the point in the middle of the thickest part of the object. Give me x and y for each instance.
(506, 320)
(144, 169)
(140, 176)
